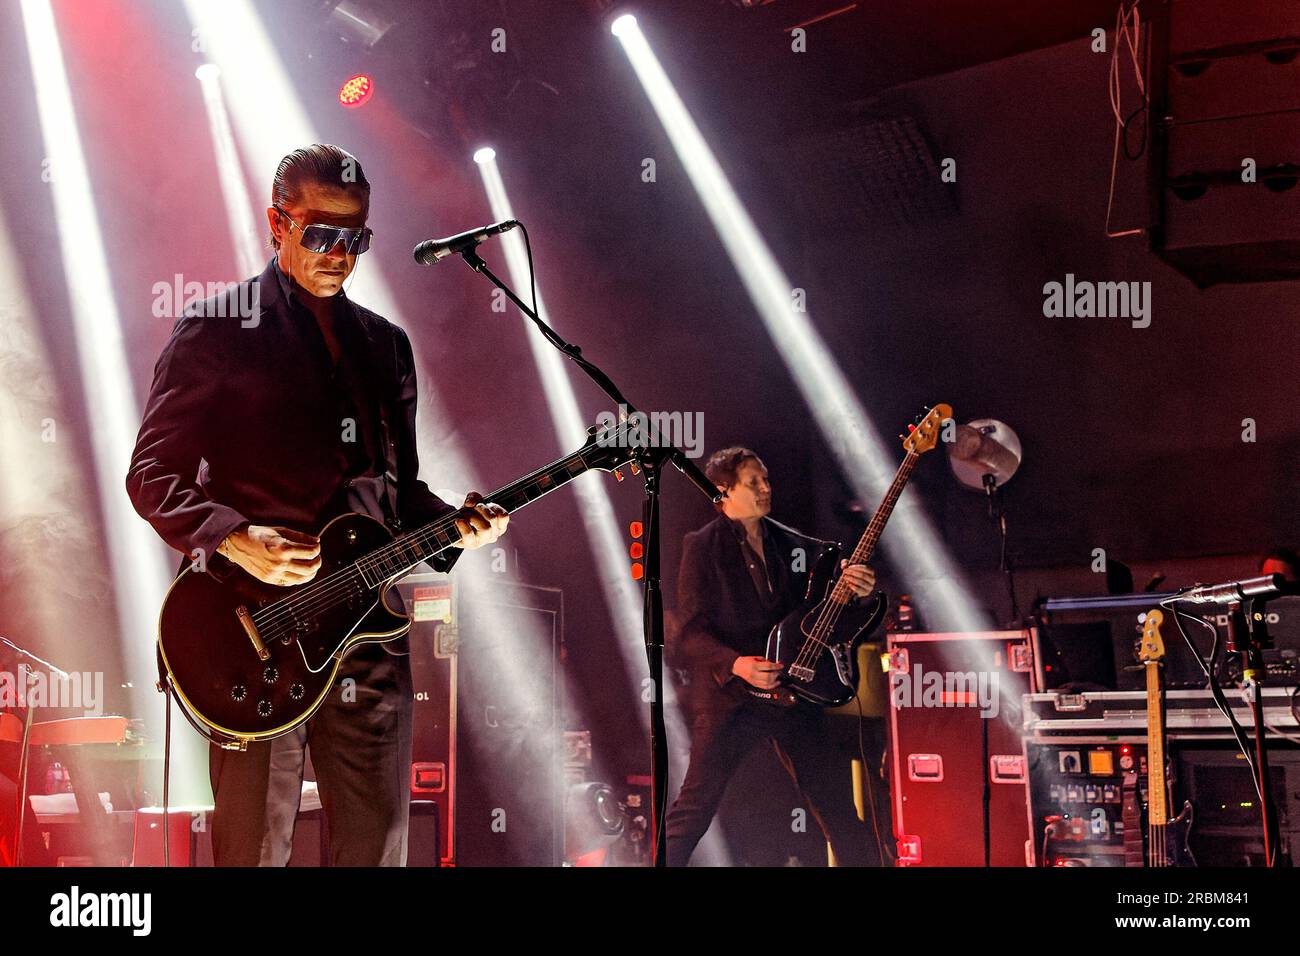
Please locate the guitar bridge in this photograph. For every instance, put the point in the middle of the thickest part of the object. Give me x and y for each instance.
(801, 672)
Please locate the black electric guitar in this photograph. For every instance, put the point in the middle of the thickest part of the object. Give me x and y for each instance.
(251, 661)
(818, 641)
(1166, 842)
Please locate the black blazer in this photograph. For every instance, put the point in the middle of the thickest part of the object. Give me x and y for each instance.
(243, 423)
(722, 614)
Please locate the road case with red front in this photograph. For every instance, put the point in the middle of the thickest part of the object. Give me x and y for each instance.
(955, 715)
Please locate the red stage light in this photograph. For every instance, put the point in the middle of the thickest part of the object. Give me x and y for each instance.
(356, 91)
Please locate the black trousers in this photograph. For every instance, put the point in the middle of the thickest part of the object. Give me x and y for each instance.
(720, 740)
(360, 743)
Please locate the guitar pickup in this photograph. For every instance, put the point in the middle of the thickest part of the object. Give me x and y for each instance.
(246, 620)
(800, 672)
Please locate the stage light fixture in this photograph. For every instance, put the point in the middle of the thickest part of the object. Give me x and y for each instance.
(356, 91)
(357, 21)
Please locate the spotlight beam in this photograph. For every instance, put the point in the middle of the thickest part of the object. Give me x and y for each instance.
(863, 456)
(137, 559)
(234, 191)
(622, 598)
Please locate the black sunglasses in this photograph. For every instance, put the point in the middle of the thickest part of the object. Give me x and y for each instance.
(321, 238)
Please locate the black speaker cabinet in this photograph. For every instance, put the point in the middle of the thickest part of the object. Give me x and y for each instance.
(487, 744)
(1225, 82)
(509, 735)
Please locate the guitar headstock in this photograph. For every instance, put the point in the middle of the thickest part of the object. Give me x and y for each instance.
(924, 434)
(1152, 646)
(611, 446)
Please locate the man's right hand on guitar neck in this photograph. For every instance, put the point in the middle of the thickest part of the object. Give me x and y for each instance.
(757, 671)
(273, 555)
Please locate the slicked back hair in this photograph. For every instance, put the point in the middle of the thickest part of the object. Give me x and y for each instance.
(320, 163)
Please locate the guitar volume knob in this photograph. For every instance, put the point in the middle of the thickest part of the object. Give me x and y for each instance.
(238, 692)
(296, 691)
(264, 708)
(270, 675)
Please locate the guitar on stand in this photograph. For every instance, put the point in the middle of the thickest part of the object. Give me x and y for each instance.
(817, 642)
(1166, 840)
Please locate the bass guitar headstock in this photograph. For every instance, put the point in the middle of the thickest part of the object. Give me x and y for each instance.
(1151, 648)
(925, 433)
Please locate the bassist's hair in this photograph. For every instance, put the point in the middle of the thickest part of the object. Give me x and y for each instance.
(724, 464)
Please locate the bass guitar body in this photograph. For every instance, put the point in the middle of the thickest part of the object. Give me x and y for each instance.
(1169, 845)
(822, 670)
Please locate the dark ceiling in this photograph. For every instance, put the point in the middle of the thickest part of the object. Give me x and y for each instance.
(437, 59)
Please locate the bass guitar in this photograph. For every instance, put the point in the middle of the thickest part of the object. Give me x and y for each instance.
(1166, 839)
(251, 661)
(818, 641)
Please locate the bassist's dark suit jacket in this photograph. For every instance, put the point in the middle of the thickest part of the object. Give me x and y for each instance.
(724, 612)
(728, 601)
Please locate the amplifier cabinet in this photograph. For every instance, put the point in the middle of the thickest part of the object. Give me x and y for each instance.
(432, 602)
(488, 744)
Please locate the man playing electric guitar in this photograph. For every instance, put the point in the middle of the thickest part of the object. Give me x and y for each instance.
(258, 426)
(740, 574)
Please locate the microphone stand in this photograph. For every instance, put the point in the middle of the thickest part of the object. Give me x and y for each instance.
(998, 514)
(651, 461)
(1248, 636)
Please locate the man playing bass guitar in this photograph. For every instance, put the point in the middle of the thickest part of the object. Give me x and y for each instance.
(740, 574)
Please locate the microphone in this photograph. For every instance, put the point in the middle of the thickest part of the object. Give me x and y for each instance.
(1269, 585)
(431, 250)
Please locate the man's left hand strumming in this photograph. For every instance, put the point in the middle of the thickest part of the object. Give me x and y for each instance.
(480, 522)
(860, 577)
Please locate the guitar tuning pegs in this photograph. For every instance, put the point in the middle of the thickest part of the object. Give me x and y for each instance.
(618, 474)
(636, 468)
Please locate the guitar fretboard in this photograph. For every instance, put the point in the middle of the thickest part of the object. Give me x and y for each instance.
(410, 549)
(1158, 811)
(866, 546)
